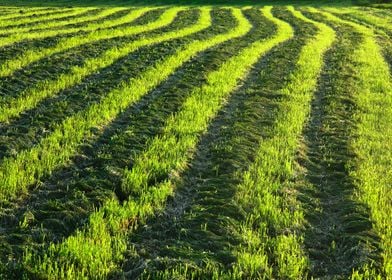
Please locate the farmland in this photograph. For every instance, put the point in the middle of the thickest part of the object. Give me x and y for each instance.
(202, 141)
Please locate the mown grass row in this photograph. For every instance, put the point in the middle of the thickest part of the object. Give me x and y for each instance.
(55, 15)
(366, 17)
(31, 126)
(16, 14)
(274, 220)
(99, 31)
(12, 106)
(14, 38)
(44, 154)
(45, 70)
(152, 165)
(339, 235)
(94, 88)
(62, 23)
(198, 109)
(273, 228)
(19, 172)
(9, 13)
(63, 199)
(72, 79)
(112, 236)
(381, 22)
(193, 237)
(68, 200)
(90, 11)
(371, 141)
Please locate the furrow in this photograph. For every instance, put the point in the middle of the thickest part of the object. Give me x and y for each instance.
(11, 106)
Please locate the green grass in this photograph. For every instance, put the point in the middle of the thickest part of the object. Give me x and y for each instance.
(265, 191)
(198, 141)
(60, 23)
(371, 139)
(30, 56)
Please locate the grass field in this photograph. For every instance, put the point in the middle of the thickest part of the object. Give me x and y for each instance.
(201, 141)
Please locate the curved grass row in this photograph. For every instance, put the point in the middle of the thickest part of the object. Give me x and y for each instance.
(28, 166)
(156, 109)
(10, 13)
(62, 23)
(45, 17)
(14, 38)
(187, 126)
(273, 242)
(256, 268)
(12, 107)
(106, 243)
(99, 32)
(16, 13)
(52, 110)
(372, 141)
(163, 155)
(381, 23)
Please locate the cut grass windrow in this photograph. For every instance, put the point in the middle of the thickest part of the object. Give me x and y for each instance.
(51, 111)
(9, 14)
(381, 23)
(54, 197)
(372, 141)
(51, 33)
(100, 31)
(167, 153)
(45, 17)
(12, 107)
(193, 236)
(339, 235)
(179, 137)
(16, 14)
(28, 166)
(274, 219)
(112, 240)
(62, 23)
